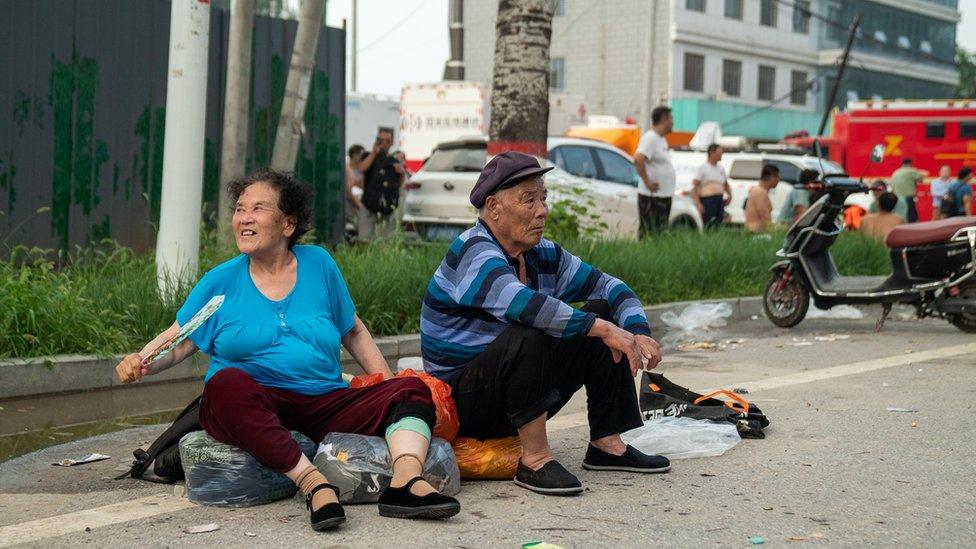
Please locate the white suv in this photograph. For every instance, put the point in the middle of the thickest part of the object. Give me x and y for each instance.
(436, 200)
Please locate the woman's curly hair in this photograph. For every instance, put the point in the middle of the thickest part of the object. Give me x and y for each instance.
(294, 197)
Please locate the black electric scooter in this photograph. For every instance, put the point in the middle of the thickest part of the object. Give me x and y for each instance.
(933, 264)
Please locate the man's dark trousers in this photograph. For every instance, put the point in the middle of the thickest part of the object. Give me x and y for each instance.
(654, 213)
(525, 373)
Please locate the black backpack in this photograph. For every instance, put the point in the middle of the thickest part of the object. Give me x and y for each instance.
(164, 453)
(948, 207)
(381, 186)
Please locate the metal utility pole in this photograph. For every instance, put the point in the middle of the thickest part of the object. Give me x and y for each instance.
(355, 24)
(289, 134)
(178, 241)
(234, 143)
(840, 74)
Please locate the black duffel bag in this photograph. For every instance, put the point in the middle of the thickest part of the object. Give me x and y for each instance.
(659, 397)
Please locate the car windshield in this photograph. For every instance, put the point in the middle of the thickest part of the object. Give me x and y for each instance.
(829, 167)
(458, 159)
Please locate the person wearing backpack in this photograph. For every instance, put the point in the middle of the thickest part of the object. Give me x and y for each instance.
(274, 347)
(958, 198)
(383, 175)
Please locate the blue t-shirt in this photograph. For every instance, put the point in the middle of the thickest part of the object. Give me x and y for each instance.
(291, 344)
(960, 189)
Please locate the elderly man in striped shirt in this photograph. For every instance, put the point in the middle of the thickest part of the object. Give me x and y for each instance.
(496, 325)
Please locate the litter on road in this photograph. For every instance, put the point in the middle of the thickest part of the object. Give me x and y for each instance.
(203, 528)
(81, 461)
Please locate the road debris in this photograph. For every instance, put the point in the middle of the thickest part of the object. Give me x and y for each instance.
(901, 410)
(757, 540)
(81, 461)
(698, 346)
(203, 528)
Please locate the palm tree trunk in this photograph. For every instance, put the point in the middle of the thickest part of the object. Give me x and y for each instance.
(520, 82)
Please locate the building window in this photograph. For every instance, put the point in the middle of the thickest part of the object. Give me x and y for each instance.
(731, 77)
(560, 7)
(935, 130)
(767, 13)
(801, 16)
(694, 72)
(798, 87)
(967, 130)
(733, 9)
(557, 74)
(767, 82)
(833, 23)
(695, 5)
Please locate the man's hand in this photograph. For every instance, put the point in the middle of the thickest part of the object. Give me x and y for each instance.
(654, 186)
(728, 199)
(131, 369)
(377, 146)
(621, 343)
(398, 168)
(650, 351)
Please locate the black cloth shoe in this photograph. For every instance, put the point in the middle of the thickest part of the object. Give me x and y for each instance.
(632, 461)
(551, 479)
(400, 503)
(329, 515)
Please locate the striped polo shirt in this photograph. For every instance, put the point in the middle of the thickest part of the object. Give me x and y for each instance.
(476, 293)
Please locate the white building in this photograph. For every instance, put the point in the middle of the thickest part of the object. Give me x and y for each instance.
(721, 60)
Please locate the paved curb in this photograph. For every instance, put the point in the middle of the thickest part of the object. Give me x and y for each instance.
(20, 378)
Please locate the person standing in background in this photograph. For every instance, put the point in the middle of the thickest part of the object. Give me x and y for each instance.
(904, 183)
(759, 209)
(710, 188)
(354, 184)
(383, 177)
(653, 163)
(939, 187)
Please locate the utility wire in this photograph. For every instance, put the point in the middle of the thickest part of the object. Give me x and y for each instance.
(389, 31)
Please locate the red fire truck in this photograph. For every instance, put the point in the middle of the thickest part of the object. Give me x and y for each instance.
(933, 133)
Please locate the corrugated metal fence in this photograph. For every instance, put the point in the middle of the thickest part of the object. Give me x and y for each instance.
(82, 113)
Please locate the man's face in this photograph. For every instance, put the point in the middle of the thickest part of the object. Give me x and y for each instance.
(385, 140)
(715, 156)
(945, 172)
(772, 181)
(518, 214)
(668, 123)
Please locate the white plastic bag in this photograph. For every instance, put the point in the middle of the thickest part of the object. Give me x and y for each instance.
(683, 437)
(695, 321)
(838, 312)
(360, 466)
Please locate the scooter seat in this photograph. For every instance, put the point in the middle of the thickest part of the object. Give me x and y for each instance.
(929, 232)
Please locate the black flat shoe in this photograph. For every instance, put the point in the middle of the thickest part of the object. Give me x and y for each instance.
(329, 515)
(400, 503)
(632, 461)
(552, 479)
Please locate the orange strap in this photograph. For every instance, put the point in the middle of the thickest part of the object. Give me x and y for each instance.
(736, 399)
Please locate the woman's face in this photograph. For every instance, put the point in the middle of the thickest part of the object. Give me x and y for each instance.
(259, 225)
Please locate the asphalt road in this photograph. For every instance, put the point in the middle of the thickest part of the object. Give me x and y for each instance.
(836, 469)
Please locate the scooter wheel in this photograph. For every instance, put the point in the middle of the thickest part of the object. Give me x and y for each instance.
(785, 304)
(965, 321)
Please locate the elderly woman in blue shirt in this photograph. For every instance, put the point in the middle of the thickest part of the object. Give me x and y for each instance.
(274, 349)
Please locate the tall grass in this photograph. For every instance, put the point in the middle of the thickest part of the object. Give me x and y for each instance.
(103, 300)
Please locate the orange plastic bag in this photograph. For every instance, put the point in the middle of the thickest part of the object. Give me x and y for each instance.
(447, 415)
(495, 458)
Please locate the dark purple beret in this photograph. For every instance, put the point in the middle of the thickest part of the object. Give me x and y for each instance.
(504, 170)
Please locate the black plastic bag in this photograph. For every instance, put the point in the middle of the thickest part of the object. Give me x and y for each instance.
(659, 397)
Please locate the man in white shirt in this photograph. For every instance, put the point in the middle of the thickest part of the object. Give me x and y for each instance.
(710, 188)
(653, 163)
(940, 185)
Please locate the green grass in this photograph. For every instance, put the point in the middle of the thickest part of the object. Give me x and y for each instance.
(103, 301)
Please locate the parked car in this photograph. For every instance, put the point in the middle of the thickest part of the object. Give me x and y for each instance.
(436, 198)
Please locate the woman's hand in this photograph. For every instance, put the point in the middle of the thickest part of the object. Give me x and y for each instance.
(130, 369)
